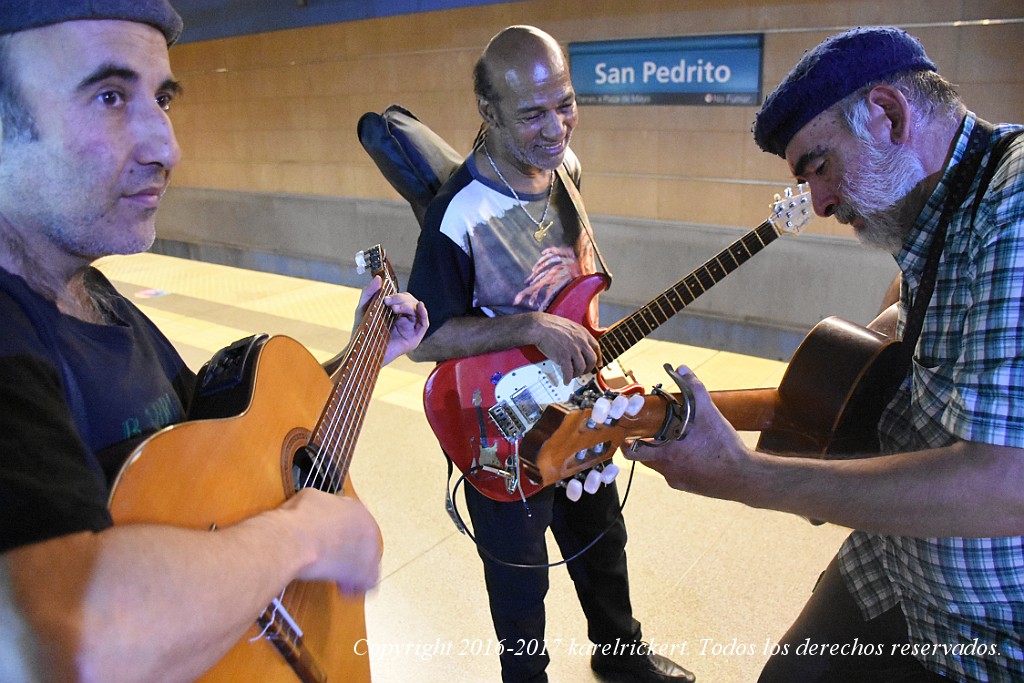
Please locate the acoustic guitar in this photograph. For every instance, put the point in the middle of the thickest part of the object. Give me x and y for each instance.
(827, 405)
(297, 427)
(480, 407)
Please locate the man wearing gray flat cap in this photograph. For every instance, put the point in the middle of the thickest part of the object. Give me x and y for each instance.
(930, 584)
(86, 152)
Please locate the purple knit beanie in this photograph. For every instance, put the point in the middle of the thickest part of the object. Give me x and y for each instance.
(838, 67)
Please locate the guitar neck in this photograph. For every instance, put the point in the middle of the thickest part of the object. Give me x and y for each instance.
(621, 336)
(752, 410)
(338, 428)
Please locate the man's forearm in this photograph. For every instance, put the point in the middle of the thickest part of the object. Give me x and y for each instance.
(472, 336)
(967, 489)
(148, 602)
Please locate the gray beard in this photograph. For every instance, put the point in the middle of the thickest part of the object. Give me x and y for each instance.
(879, 194)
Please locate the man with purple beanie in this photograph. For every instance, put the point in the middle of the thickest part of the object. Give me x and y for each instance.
(86, 152)
(930, 585)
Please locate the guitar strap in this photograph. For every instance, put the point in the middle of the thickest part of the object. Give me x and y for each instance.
(965, 173)
(577, 201)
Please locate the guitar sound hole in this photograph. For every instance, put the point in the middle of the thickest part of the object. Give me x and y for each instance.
(311, 471)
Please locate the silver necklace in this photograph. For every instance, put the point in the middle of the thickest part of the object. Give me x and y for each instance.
(542, 229)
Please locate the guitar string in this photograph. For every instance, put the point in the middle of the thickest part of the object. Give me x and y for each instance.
(377, 335)
(374, 338)
(752, 243)
(329, 431)
(374, 332)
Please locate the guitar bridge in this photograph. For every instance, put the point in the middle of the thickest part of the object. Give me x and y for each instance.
(285, 635)
(508, 422)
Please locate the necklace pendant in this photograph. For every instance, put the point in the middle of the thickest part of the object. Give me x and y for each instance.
(542, 230)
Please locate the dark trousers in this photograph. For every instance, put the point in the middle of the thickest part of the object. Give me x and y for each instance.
(831, 616)
(516, 595)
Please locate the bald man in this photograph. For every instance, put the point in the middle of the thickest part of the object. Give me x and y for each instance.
(499, 242)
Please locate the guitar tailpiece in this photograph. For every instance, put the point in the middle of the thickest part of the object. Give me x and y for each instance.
(679, 415)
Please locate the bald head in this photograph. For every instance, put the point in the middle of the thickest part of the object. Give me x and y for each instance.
(528, 106)
(516, 55)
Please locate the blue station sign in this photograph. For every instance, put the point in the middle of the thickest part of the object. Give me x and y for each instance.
(704, 70)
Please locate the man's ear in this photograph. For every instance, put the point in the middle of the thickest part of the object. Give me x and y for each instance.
(486, 111)
(890, 114)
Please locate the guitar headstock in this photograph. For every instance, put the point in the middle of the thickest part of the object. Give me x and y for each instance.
(376, 261)
(792, 210)
(571, 437)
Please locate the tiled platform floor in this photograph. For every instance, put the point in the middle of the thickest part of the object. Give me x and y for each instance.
(714, 580)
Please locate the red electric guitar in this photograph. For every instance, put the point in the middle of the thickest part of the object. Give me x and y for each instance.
(480, 407)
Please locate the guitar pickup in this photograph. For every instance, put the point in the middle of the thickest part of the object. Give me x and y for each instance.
(527, 406)
(508, 423)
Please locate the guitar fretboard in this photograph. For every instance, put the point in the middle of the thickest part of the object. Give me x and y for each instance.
(334, 438)
(624, 334)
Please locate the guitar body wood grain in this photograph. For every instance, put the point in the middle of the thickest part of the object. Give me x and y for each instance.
(209, 474)
(837, 384)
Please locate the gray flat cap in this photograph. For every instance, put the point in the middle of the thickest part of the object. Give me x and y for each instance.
(21, 15)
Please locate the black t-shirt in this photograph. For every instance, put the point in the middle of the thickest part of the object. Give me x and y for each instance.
(71, 395)
(480, 250)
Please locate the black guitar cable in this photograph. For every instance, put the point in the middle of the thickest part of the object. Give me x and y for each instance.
(453, 511)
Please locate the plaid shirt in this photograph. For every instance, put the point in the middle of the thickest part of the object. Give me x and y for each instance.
(963, 597)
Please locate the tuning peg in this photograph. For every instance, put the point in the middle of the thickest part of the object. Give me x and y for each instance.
(611, 470)
(573, 490)
(618, 407)
(636, 404)
(593, 482)
(599, 413)
(360, 262)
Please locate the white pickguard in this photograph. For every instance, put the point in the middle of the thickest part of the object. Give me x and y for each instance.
(523, 394)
